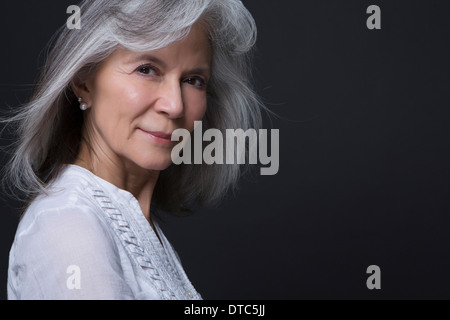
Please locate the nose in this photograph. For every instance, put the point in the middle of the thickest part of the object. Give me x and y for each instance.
(170, 99)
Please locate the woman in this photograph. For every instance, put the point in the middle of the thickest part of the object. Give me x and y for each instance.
(94, 150)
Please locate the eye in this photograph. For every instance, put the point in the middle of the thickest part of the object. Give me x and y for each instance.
(196, 82)
(148, 70)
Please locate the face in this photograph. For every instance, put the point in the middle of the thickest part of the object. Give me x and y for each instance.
(136, 100)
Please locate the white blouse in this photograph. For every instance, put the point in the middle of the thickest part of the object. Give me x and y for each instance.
(88, 239)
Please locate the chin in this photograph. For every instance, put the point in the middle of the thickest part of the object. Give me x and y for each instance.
(155, 164)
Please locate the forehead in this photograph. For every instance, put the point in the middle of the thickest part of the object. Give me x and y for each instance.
(194, 51)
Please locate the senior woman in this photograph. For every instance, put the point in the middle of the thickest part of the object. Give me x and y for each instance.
(93, 155)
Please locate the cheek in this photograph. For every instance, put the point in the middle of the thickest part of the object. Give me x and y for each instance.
(123, 96)
(117, 104)
(195, 106)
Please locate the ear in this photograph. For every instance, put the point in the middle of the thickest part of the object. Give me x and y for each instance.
(81, 85)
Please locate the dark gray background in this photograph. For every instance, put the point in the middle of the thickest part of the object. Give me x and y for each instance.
(364, 154)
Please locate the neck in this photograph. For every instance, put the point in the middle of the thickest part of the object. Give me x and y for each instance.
(127, 176)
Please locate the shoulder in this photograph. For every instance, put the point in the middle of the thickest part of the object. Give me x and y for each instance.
(59, 231)
(69, 189)
(65, 217)
(49, 243)
(66, 206)
(62, 231)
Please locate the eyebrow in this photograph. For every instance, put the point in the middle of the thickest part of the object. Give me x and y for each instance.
(151, 58)
(146, 57)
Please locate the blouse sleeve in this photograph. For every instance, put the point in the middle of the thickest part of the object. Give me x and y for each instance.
(66, 254)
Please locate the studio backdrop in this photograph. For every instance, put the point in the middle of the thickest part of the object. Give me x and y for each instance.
(359, 204)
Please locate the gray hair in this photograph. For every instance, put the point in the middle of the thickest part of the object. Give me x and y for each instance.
(49, 127)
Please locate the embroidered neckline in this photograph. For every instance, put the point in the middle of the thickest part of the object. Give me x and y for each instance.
(159, 278)
(128, 237)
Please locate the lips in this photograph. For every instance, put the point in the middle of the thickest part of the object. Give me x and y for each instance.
(158, 135)
(161, 135)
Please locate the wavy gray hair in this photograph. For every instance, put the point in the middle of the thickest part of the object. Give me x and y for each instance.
(49, 127)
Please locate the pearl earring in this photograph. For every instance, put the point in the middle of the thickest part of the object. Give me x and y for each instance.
(83, 106)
